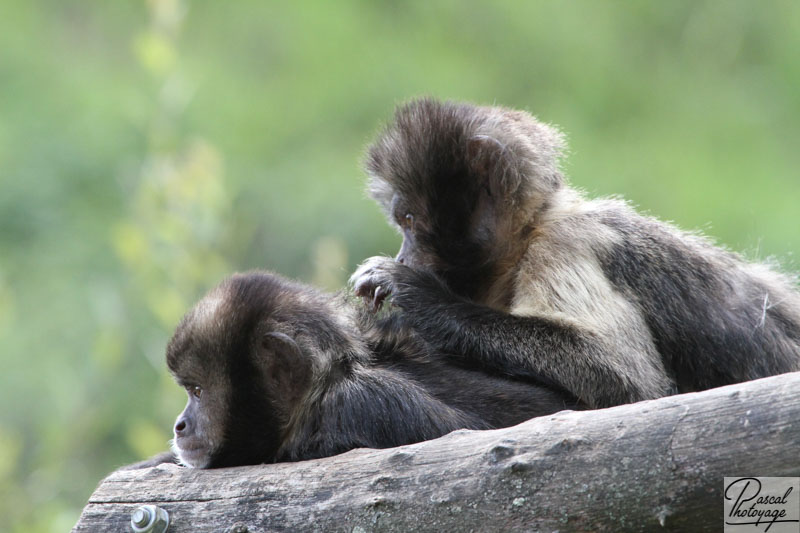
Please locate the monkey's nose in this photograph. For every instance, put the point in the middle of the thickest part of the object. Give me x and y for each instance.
(180, 427)
(400, 259)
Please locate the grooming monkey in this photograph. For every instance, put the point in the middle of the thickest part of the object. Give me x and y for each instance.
(505, 267)
(277, 371)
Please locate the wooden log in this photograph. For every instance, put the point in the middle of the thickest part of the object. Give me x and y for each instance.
(653, 465)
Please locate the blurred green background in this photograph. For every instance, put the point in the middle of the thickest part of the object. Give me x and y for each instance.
(149, 148)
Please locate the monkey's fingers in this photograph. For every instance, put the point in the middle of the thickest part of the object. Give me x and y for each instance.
(364, 287)
(378, 298)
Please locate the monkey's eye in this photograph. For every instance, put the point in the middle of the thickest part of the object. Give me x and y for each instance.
(196, 391)
(407, 222)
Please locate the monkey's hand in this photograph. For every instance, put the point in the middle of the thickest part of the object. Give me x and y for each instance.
(373, 280)
(380, 277)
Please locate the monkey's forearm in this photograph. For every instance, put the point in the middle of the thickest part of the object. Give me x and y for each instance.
(161, 458)
(531, 347)
(600, 368)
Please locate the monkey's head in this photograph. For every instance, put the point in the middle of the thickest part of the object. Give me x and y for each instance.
(462, 182)
(249, 355)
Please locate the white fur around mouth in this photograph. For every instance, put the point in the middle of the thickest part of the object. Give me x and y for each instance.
(197, 457)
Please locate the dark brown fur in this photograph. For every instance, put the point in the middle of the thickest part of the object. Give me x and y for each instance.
(507, 268)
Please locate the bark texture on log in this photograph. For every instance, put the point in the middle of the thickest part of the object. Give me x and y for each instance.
(654, 465)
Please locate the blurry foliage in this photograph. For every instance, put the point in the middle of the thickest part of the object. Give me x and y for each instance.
(148, 148)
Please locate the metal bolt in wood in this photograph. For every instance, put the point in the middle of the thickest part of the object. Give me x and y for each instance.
(149, 519)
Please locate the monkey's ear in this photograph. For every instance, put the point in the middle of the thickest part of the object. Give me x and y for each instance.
(288, 369)
(495, 165)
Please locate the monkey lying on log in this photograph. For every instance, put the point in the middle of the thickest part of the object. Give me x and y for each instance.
(278, 371)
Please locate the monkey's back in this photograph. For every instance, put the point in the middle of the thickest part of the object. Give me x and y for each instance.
(715, 317)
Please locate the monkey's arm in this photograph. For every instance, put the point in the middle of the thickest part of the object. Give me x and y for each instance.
(161, 458)
(589, 363)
